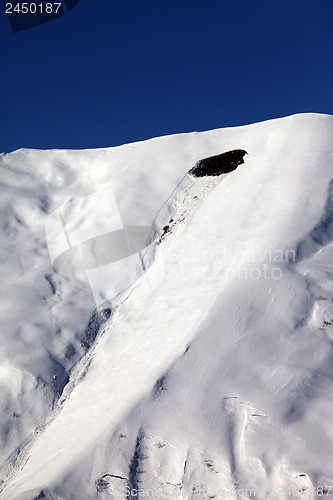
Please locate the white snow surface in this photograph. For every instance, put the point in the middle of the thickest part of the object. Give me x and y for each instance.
(213, 375)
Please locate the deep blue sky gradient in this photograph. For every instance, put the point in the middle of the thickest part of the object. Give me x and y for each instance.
(112, 72)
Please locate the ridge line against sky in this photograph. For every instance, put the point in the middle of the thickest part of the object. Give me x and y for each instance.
(109, 73)
(167, 135)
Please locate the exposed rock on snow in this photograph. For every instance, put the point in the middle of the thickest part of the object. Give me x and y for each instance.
(219, 164)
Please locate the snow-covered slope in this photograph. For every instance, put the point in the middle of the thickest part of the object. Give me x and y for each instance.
(212, 371)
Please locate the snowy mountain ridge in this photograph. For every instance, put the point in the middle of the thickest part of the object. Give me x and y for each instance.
(212, 376)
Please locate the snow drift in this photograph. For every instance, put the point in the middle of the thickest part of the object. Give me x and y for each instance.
(198, 365)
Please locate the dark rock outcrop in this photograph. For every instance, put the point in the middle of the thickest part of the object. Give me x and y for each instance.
(219, 164)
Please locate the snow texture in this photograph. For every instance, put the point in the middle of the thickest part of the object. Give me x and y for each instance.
(188, 358)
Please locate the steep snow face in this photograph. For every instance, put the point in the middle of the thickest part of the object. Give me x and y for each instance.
(213, 375)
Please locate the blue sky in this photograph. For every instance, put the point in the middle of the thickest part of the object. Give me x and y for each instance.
(112, 72)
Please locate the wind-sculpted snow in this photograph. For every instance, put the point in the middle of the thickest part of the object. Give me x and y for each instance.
(208, 376)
